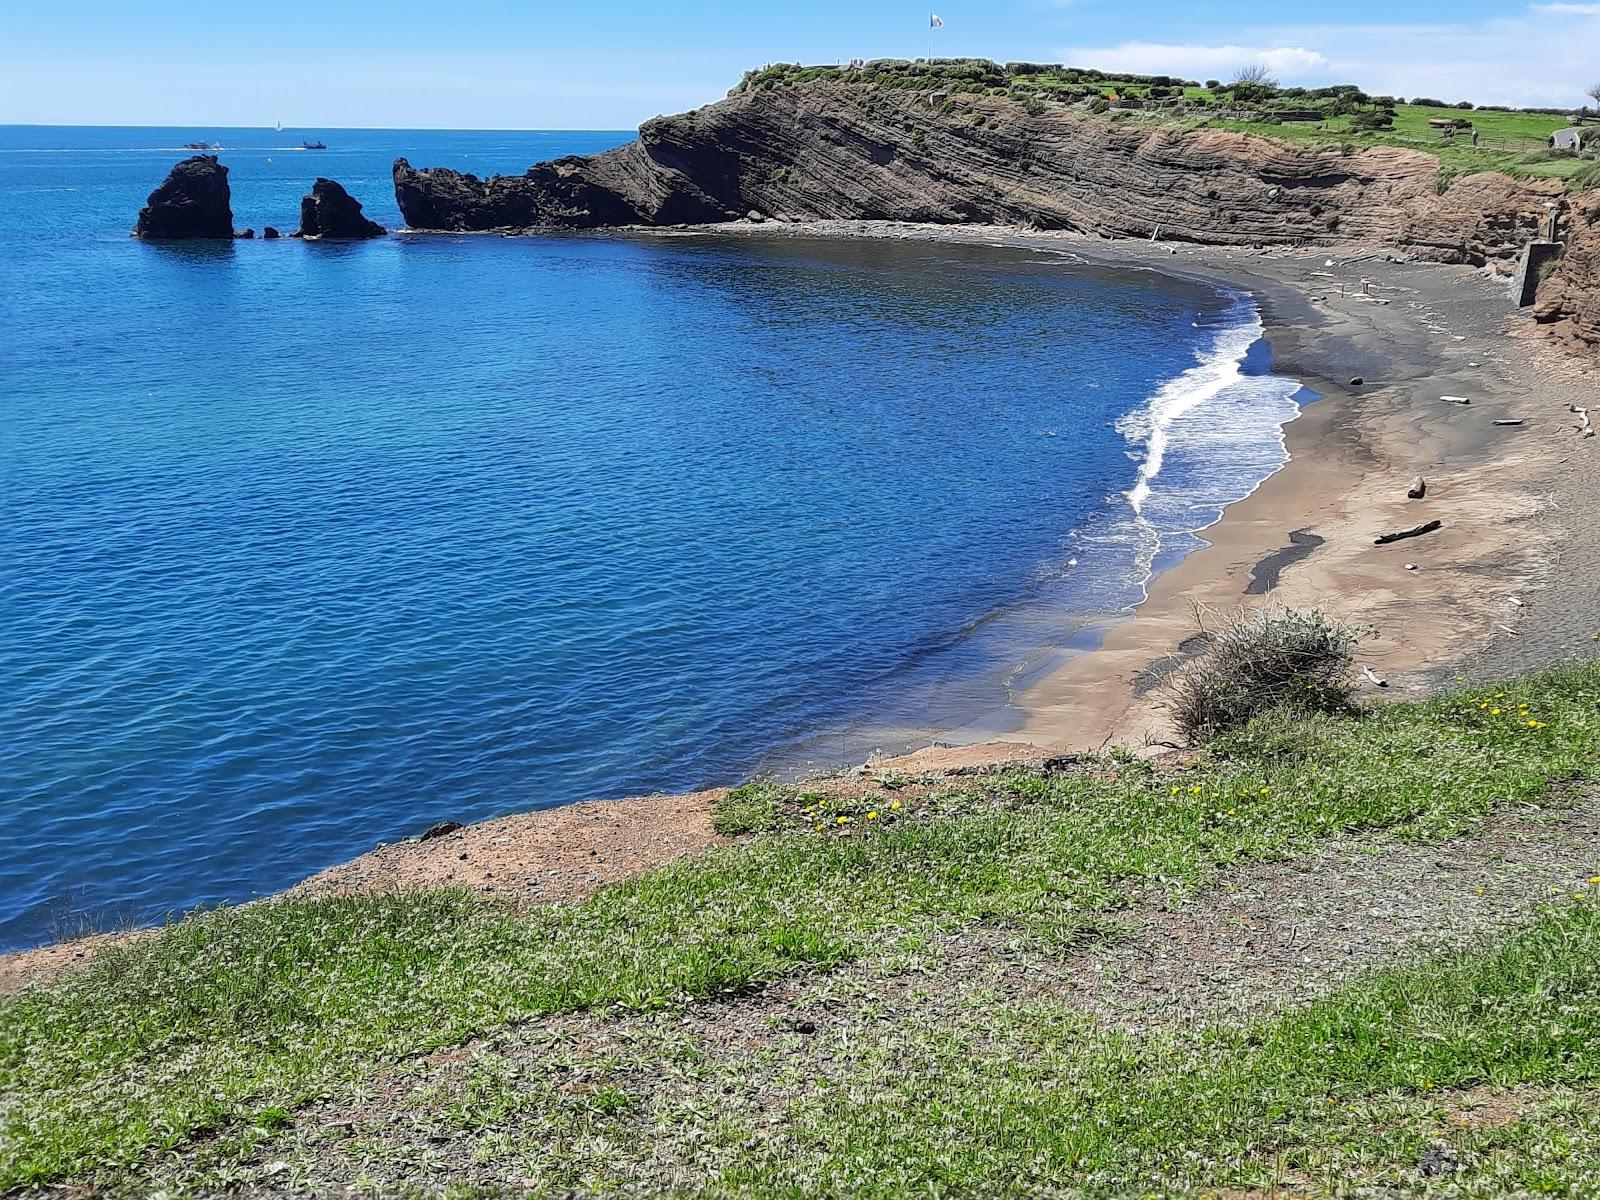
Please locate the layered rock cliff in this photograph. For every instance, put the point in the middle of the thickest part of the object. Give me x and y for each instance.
(829, 150)
(1569, 299)
(193, 201)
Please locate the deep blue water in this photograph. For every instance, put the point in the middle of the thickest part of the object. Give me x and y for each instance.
(303, 547)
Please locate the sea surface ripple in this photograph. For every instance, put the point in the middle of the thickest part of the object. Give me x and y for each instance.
(303, 547)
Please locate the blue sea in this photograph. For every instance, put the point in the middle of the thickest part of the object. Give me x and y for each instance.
(304, 547)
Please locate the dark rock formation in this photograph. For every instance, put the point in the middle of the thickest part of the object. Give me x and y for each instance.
(1569, 297)
(270, 234)
(244, 233)
(331, 212)
(838, 151)
(192, 202)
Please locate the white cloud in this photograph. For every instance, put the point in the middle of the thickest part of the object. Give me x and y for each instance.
(1293, 63)
(1541, 57)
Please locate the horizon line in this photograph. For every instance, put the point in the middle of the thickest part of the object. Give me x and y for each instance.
(319, 128)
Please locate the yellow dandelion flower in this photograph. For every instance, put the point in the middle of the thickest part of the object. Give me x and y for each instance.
(894, 806)
(1494, 712)
(1195, 790)
(873, 815)
(1266, 791)
(843, 821)
(1594, 879)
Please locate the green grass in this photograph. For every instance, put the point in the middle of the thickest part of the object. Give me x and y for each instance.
(1032, 1100)
(753, 807)
(1024, 1101)
(1514, 143)
(231, 1017)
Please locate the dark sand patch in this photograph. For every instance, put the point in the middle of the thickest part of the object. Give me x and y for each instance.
(1264, 575)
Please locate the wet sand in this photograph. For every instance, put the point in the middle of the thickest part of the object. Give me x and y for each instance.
(1510, 581)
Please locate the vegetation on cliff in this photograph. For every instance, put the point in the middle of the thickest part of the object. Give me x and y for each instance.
(188, 1055)
(1509, 140)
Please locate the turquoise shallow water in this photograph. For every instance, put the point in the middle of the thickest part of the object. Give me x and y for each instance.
(304, 547)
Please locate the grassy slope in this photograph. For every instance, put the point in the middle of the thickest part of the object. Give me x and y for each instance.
(230, 1018)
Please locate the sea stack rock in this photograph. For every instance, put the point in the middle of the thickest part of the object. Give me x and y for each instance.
(331, 212)
(270, 233)
(193, 202)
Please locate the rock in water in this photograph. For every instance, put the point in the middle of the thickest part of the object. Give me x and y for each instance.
(192, 202)
(331, 212)
(270, 233)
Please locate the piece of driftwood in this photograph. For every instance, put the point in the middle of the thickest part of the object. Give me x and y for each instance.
(1517, 421)
(1585, 425)
(1376, 679)
(1418, 489)
(1455, 399)
(1400, 535)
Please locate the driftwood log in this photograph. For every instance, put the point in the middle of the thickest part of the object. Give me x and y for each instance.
(1585, 425)
(1517, 421)
(1455, 400)
(1376, 679)
(1400, 535)
(1418, 489)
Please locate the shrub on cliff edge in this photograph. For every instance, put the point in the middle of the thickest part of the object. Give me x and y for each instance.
(1256, 661)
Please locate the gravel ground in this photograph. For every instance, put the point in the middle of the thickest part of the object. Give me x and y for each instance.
(504, 1112)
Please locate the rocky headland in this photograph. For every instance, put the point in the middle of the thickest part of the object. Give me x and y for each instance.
(329, 211)
(835, 151)
(192, 202)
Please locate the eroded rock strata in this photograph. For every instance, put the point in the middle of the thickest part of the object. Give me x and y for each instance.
(329, 211)
(1569, 298)
(192, 202)
(845, 152)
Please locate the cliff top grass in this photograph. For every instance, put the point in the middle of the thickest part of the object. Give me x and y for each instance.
(209, 1037)
(1510, 140)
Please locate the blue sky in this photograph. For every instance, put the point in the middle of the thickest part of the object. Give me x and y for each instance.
(609, 64)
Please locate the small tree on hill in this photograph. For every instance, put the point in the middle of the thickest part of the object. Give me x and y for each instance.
(1256, 76)
(1594, 94)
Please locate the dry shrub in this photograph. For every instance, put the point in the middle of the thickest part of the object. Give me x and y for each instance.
(1262, 659)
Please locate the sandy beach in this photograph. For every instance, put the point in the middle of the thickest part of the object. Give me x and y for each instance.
(1508, 582)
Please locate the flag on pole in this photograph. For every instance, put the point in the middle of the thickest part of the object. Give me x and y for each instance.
(935, 21)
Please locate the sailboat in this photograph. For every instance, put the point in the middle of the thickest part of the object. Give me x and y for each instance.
(279, 129)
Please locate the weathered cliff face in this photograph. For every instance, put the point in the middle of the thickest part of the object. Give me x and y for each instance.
(192, 202)
(1569, 299)
(838, 151)
(331, 212)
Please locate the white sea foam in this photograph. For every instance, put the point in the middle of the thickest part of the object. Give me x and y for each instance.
(1206, 438)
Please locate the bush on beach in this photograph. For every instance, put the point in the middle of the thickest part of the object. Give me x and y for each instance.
(1257, 661)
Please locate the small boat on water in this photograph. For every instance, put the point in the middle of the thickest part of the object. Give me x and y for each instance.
(317, 145)
(202, 145)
